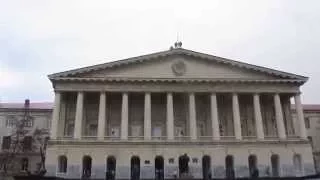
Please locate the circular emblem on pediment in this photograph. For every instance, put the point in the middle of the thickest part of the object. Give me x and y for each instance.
(179, 67)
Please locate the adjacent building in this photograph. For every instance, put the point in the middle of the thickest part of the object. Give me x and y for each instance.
(177, 113)
(312, 122)
(38, 117)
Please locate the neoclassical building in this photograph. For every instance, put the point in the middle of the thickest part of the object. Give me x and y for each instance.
(177, 113)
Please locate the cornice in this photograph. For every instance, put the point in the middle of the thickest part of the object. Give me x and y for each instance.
(180, 143)
(175, 80)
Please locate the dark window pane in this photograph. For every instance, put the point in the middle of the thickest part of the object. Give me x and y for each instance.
(27, 143)
(6, 142)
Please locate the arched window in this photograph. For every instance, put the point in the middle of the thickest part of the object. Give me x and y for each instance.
(62, 164)
(275, 165)
(159, 167)
(86, 166)
(297, 164)
(111, 168)
(229, 167)
(206, 167)
(183, 165)
(253, 168)
(135, 168)
(24, 164)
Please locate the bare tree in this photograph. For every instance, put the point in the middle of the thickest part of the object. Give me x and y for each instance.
(21, 137)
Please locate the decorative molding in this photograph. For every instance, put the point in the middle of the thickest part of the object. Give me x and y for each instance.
(178, 67)
(177, 87)
(221, 143)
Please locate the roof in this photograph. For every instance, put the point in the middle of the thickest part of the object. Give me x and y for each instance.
(308, 107)
(35, 105)
(177, 51)
(311, 107)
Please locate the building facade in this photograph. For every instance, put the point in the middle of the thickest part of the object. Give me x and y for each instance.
(312, 122)
(39, 118)
(177, 113)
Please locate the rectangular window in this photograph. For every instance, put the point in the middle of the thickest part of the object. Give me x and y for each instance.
(28, 122)
(310, 140)
(6, 142)
(27, 143)
(179, 132)
(93, 129)
(115, 132)
(136, 131)
(200, 129)
(307, 122)
(10, 121)
(69, 129)
(157, 131)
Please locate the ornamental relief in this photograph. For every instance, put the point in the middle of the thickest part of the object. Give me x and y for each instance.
(179, 67)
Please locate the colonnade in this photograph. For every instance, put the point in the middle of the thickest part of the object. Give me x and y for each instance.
(170, 116)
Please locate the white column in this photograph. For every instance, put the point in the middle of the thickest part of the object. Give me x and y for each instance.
(124, 117)
(55, 115)
(102, 116)
(301, 123)
(236, 116)
(258, 117)
(214, 117)
(170, 118)
(147, 116)
(279, 117)
(192, 117)
(79, 116)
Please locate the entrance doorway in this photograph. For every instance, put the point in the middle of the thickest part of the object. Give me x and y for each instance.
(111, 168)
(253, 169)
(275, 165)
(135, 168)
(206, 167)
(229, 167)
(86, 167)
(184, 165)
(159, 168)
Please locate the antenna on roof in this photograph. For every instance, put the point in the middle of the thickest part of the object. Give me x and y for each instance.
(177, 44)
(177, 36)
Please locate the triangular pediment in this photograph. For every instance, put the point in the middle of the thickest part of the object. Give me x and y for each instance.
(178, 64)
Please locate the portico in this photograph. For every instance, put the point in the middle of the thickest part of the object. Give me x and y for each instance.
(144, 113)
(215, 133)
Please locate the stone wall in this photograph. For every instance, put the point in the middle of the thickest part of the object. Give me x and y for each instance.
(217, 153)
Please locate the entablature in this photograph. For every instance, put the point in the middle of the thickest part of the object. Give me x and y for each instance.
(174, 86)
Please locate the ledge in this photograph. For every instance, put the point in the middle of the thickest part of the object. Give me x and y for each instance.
(176, 142)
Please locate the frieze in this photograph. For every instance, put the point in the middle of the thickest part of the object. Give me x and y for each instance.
(178, 87)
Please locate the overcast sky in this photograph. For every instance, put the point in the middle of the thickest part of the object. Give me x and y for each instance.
(41, 37)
